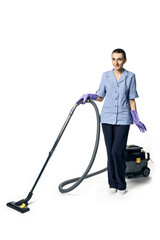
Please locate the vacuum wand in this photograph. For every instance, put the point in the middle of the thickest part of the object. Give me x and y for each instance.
(55, 145)
(21, 205)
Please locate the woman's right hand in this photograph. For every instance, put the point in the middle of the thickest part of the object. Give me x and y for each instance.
(86, 97)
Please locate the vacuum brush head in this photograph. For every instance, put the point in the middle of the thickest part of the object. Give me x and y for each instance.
(22, 208)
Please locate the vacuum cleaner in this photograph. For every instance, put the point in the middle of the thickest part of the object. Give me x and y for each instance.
(135, 161)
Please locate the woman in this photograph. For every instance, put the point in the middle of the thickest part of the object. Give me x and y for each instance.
(118, 87)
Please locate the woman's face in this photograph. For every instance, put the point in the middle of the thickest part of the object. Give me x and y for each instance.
(118, 61)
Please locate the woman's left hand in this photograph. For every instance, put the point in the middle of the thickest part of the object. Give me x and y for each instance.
(138, 123)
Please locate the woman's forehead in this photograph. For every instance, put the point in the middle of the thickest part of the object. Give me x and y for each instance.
(117, 55)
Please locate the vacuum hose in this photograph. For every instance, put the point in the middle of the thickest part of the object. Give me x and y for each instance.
(85, 175)
(22, 205)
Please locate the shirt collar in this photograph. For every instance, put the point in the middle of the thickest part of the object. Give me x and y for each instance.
(123, 76)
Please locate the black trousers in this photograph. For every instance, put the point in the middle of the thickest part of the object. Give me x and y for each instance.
(116, 140)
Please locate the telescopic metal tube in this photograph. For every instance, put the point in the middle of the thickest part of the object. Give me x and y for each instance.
(55, 145)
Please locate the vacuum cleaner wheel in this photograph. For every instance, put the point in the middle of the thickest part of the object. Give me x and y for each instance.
(146, 172)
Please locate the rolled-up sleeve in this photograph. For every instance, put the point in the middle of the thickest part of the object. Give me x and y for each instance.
(101, 92)
(132, 90)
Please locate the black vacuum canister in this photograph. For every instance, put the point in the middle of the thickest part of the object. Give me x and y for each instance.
(136, 161)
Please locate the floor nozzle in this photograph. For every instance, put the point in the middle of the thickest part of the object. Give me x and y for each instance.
(22, 208)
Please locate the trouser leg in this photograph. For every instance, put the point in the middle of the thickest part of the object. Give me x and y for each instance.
(118, 154)
(109, 138)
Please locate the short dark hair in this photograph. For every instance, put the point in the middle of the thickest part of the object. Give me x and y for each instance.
(119, 50)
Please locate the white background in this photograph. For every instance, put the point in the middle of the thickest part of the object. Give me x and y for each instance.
(52, 52)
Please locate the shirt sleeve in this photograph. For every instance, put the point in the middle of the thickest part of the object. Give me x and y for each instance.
(132, 90)
(101, 92)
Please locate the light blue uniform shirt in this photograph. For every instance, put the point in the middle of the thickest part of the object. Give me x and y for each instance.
(116, 108)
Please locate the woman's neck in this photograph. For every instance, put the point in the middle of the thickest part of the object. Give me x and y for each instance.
(118, 72)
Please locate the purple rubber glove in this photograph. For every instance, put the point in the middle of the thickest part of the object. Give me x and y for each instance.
(139, 124)
(87, 96)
